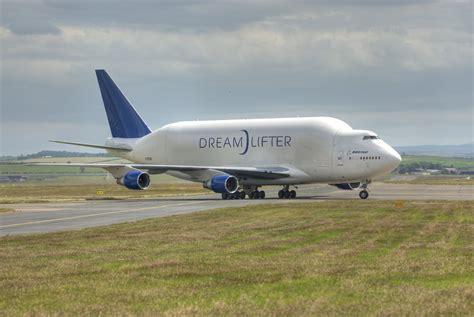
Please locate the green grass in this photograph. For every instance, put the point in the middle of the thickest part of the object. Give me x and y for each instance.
(460, 163)
(27, 193)
(434, 180)
(323, 258)
(6, 210)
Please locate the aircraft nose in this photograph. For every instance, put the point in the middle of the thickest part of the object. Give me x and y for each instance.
(394, 158)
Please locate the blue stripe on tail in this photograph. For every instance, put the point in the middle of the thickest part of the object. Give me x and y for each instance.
(124, 121)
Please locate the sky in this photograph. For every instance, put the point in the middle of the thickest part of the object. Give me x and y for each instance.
(403, 69)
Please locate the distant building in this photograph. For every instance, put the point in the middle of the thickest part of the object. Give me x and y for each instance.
(451, 170)
(466, 172)
(13, 178)
(425, 172)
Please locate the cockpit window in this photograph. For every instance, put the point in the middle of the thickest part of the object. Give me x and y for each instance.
(370, 137)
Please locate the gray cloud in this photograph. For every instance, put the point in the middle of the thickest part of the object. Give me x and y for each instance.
(397, 68)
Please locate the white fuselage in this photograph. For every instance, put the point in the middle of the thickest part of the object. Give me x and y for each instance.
(315, 150)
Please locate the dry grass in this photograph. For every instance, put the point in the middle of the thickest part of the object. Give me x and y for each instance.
(323, 258)
(51, 193)
(434, 180)
(6, 210)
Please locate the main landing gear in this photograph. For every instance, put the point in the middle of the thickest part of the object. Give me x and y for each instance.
(286, 193)
(364, 194)
(236, 195)
(254, 194)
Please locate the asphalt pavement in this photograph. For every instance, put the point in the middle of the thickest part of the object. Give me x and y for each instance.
(49, 217)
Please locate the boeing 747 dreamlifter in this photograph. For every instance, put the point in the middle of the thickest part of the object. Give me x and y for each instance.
(236, 157)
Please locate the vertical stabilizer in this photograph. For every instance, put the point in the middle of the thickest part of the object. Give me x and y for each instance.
(124, 121)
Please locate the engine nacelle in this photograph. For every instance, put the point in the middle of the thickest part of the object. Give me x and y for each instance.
(222, 184)
(135, 180)
(348, 186)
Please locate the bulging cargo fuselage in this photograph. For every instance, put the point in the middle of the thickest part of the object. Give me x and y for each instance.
(236, 157)
(315, 149)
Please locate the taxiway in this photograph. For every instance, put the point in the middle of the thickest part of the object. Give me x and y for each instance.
(50, 217)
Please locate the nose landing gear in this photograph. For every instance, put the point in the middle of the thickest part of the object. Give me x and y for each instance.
(364, 194)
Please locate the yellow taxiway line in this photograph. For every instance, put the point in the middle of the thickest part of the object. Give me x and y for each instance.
(99, 214)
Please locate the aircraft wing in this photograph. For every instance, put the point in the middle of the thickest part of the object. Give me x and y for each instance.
(250, 172)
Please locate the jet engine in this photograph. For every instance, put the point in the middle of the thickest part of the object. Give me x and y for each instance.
(348, 186)
(222, 184)
(135, 180)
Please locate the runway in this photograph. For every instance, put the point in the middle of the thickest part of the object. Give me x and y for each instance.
(50, 217)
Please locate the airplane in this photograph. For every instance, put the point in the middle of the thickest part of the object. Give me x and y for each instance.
(235, 158)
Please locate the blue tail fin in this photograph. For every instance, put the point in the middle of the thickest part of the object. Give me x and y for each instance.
(124, 121)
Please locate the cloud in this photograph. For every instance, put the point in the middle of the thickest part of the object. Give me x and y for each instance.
(235, 59)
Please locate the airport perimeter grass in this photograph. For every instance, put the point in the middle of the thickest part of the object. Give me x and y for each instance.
(19, 193)
(434, 180)
(460, 163)
(324, 258)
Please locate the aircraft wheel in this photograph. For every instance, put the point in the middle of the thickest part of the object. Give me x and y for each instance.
(364, 194)
(225, 196)
(281, 194)
(261, 195)
(287, 194)
(242, 195)
(292, 194)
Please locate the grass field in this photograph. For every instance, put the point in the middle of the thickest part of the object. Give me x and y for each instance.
(324, 258)
(432, 180)
(459, 163)
(27, 193)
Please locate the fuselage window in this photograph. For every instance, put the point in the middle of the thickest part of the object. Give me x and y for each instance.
(370, 137)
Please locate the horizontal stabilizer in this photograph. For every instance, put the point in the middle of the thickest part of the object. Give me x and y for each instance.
(104, 147)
